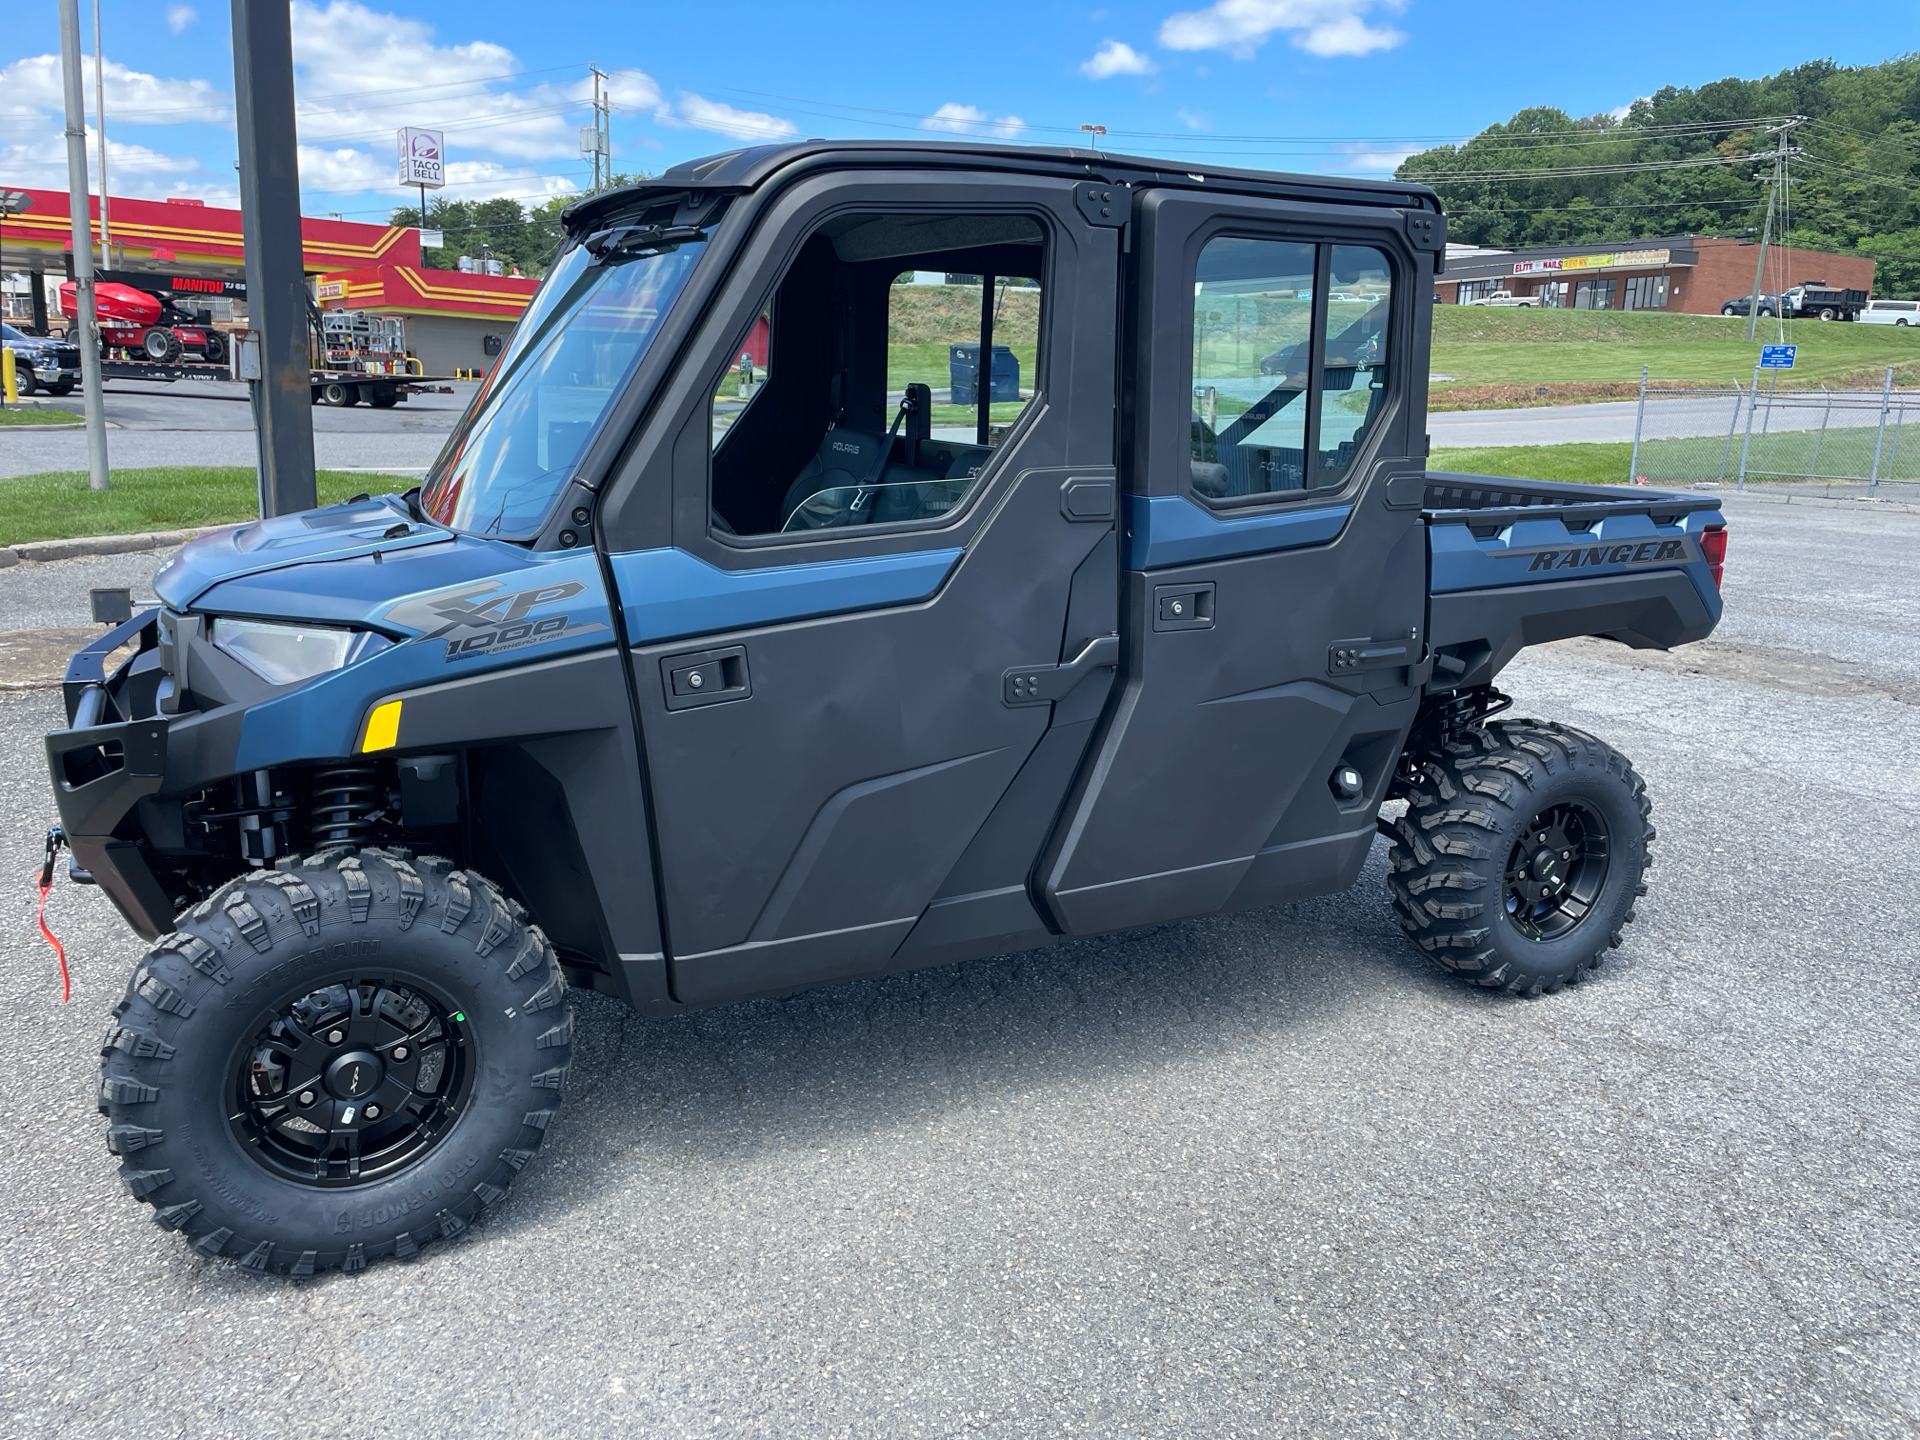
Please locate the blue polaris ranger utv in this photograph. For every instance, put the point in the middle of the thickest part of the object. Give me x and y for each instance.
(746, 637)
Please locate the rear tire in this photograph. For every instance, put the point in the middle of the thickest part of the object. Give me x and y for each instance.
(1473, 884)
(309, 993)
(335, 394)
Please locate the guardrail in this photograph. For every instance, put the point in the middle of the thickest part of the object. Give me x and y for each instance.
(1819, 441)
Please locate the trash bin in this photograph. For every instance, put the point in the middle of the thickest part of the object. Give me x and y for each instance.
(963, 368)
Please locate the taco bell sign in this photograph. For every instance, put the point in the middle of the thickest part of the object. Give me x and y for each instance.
(423, 158)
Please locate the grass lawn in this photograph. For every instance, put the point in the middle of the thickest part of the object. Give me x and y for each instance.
(57, 505)
(1577, 464)
(1843, 454)
(20, 415)
(1478, 346)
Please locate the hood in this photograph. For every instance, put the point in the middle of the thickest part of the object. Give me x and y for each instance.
(346, 566)
(336, 532)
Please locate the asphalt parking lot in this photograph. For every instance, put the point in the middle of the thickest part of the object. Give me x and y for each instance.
(1266, 1174)
(205, 422)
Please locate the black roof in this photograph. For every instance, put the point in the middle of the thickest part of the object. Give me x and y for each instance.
(740, 170)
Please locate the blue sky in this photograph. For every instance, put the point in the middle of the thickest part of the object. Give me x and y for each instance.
(1340, 86)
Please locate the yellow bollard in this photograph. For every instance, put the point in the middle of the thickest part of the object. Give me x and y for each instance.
(9, 386)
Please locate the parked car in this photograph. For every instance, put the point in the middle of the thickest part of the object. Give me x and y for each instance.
(379, 782)
(1891, 312)
(1506, 297)
(42, 362)
(1769, 305)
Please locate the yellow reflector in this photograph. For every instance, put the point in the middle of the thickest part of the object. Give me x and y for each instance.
(383, 727)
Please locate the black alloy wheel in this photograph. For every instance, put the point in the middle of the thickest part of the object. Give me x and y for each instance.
(351, 1082)
(1556, 870)
(340, 1060)
(1521, 855)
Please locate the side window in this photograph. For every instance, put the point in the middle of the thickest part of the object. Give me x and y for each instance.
(1264, 311)
(857, 396)
(1359, 302)
(1252, 349)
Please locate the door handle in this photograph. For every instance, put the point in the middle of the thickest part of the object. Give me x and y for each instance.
(1042, 684)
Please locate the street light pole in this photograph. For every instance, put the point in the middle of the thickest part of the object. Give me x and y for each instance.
(87, 321)
(100, 129)
(277, 297)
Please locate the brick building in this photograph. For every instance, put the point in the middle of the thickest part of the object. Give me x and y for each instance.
(1688, 274)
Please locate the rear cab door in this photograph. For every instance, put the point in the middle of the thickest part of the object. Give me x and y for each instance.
(1274, 555)
(868, 649)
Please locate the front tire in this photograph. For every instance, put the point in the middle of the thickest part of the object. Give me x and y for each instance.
(1521, 854)
(337, 395)
(337, 1061)
(161, 345)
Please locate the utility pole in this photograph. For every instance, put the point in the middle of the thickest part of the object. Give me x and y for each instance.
(87, 321)
(598, 141)
(1775, 182)
(100, 130)
(277, 297)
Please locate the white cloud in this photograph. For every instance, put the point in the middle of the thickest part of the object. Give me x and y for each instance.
(364, 74)
(1382, 158)
(700, 113)
(1620, 112)
(32, 87)
(138, 171)
(179, 17)
(958, 119)
(1116, 57)
(343, 171)
(1320, 27)
(1192, 121)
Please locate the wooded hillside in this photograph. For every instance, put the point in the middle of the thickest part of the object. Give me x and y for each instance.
(1673, 165)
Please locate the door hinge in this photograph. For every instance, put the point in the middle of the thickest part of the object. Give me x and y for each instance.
(1102, 203)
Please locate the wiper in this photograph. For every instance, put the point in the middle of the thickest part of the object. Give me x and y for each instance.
(603, 245)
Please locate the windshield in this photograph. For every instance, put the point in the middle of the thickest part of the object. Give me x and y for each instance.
(7, 332)
(572, 351)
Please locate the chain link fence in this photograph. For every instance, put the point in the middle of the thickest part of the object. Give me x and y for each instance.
(1816, 442)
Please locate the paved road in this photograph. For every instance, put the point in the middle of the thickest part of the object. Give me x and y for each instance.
(210, 423)
(1261, 1175)
(1607, 421)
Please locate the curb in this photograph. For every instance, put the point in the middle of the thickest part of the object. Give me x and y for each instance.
(93, 545)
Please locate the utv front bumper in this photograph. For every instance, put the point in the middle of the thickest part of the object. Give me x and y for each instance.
(112, 756)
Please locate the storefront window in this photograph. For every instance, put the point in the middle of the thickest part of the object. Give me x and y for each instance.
(1593, 294)
(1646, 292)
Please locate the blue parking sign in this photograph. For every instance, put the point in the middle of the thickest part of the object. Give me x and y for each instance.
(1777, 357)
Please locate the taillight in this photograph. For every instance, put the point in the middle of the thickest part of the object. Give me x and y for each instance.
(1713, 548)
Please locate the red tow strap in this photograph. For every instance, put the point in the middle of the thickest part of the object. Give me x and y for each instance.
(55, 839)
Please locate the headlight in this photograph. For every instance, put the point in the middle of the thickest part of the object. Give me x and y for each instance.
(283, 654)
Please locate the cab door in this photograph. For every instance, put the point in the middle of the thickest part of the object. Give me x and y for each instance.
(868, 658)
(1275, 563)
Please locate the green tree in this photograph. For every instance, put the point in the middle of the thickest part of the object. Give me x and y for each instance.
(503, 229)
(1677, 163)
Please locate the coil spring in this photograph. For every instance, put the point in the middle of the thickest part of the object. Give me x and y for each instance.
(345, 800)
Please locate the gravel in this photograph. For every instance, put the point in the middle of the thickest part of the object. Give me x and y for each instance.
(1264, 1174)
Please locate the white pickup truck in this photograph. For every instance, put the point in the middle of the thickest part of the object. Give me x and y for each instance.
(1506, 297)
